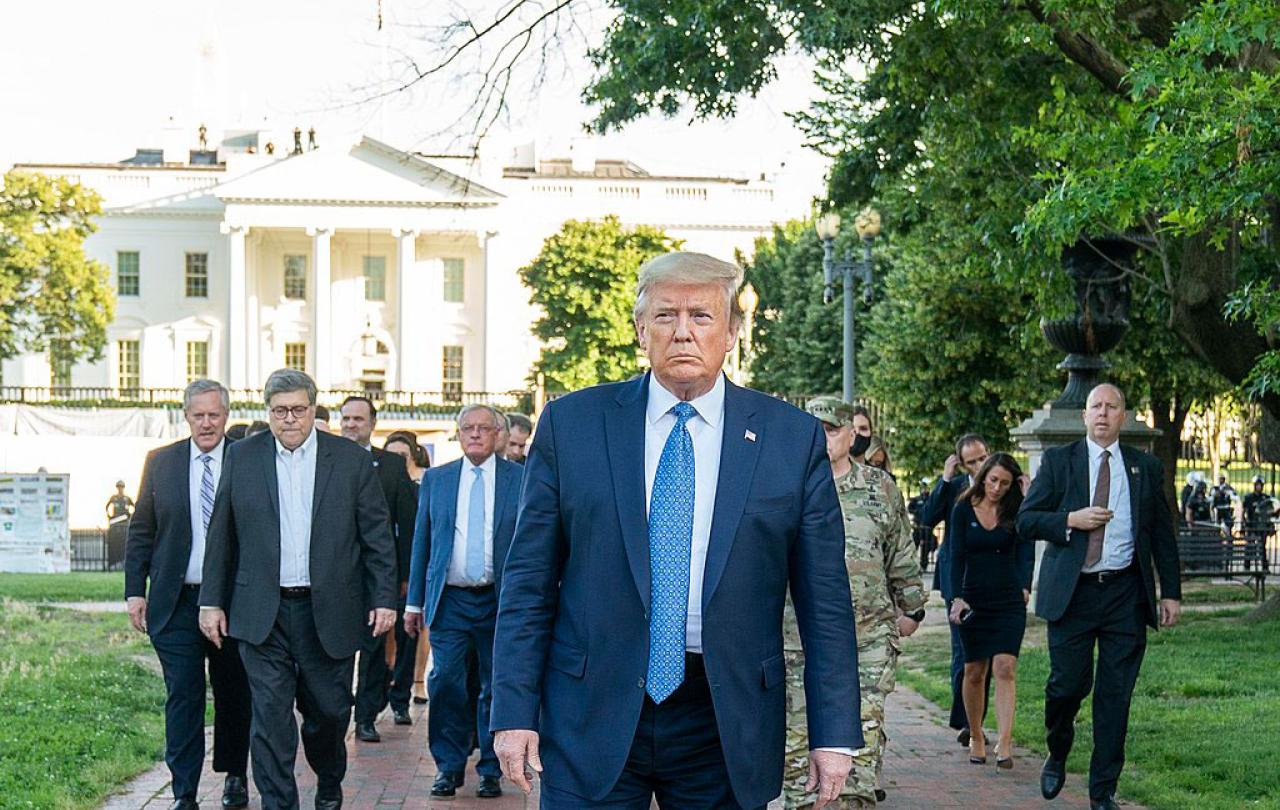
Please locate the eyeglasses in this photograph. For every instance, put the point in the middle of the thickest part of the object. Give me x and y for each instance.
(485, 429)
(282, 411)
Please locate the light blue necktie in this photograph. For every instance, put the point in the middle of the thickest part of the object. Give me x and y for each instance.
(670, 538)
(475, 528)
(206, 491)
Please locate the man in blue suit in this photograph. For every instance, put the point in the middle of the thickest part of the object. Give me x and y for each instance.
(466, 516)
(971, 453)
(639, 638)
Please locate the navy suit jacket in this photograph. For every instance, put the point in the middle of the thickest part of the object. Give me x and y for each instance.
(159, 542)
(1062, 486)
(436, 521)
(937, 509)
(572, 642)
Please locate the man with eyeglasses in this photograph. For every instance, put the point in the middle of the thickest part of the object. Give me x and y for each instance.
(466, 518)
(970, 454)
(299, 568)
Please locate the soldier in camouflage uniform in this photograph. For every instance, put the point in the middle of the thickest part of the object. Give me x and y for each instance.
(888, 600)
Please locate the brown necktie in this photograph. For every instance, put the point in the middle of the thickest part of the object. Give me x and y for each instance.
(1101, 496)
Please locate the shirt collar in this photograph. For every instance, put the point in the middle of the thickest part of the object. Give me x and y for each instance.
(216, 452)
(488, 465)
(710, 406)
(1096, 449)
(307, 447)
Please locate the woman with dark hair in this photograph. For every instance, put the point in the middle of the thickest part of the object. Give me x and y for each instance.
(991, 577)
(416, 461)
(404, 443)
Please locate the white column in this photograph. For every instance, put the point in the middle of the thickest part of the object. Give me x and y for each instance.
(406, 258)
(237, 336)
(322, 310)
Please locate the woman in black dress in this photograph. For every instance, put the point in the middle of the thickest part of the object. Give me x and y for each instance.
(991, 575)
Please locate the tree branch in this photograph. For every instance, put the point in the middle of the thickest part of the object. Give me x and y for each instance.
(1082, 49)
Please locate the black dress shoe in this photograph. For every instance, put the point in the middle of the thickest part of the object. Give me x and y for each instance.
(235, 792)
(1108, 803)
(185, 804)
(446, 784)
(881, 795)
(402, 717)
(1052, 777)
(490, 787)
(419, 701)
(329, 802)
(365, 732)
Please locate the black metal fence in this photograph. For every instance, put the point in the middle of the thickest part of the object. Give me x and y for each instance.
(390, 404)
(90, 550)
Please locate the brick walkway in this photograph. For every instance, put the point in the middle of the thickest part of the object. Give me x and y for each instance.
(924, 768)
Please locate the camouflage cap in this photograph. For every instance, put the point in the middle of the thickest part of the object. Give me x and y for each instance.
(831, 409)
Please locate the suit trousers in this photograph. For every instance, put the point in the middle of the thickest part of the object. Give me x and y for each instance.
(463, 624)
(675, 756)
(183, 651)
(375, 684)
(402, 674)
(1112, 616)
(291, 664)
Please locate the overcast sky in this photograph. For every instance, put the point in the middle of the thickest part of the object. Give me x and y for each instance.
(84, 80)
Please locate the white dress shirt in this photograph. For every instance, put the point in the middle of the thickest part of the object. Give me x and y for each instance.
(1117, 540)
(296, 480)
(707, 432)
(195, 562)
(457, 574)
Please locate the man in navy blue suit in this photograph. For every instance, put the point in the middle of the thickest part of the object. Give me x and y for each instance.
(466, 516)
(164, 565)
(639, 637)
(971, 453)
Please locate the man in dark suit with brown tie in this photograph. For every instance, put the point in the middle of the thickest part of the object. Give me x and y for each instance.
(299, 568)
(164, 562)
(359, 417)
(1101, 509)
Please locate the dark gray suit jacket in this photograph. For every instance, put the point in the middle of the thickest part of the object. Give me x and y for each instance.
(159, 542)
(1062, 486)
(352, 556)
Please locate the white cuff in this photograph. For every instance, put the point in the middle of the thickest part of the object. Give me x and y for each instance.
(848, 752)
(412, 609)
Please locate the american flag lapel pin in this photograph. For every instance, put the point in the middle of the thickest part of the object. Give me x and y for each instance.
(749, 436)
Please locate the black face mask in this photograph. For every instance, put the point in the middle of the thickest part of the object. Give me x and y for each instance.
(860, 445)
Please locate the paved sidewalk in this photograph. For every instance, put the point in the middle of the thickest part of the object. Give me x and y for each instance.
(924, 768)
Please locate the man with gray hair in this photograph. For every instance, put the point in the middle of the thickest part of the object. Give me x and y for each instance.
(299, 569)
(466, 517)
(639, 647)
(164, 564)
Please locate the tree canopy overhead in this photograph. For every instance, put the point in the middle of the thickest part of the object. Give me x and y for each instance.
(1018, 128)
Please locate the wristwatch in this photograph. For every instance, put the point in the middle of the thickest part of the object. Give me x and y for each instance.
(916, 617)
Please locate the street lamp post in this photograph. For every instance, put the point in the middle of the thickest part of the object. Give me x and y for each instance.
(867, 225)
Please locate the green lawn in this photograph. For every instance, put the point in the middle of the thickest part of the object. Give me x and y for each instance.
(1205, 724)
(81, 586)
(80, 710)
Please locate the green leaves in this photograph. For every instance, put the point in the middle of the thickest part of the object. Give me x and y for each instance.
(584, 280)
(49, 292)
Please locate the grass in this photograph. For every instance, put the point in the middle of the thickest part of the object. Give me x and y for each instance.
(1205, 593)
(1205, 716)
(81, 711)
(74, 587)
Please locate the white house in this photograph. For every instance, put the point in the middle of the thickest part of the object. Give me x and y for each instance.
(369, 267)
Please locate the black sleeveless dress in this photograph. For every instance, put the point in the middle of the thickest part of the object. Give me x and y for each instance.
(989, 570)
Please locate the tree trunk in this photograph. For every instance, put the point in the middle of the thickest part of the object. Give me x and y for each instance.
(1207, 276)
(1168, 417)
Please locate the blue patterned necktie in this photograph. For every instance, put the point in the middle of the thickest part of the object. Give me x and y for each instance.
(670, 538)
(475, 528)
(206, 491)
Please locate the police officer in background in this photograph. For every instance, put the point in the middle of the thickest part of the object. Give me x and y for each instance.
(888, 600)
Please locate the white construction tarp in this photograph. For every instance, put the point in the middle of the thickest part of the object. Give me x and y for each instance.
(45, 420)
